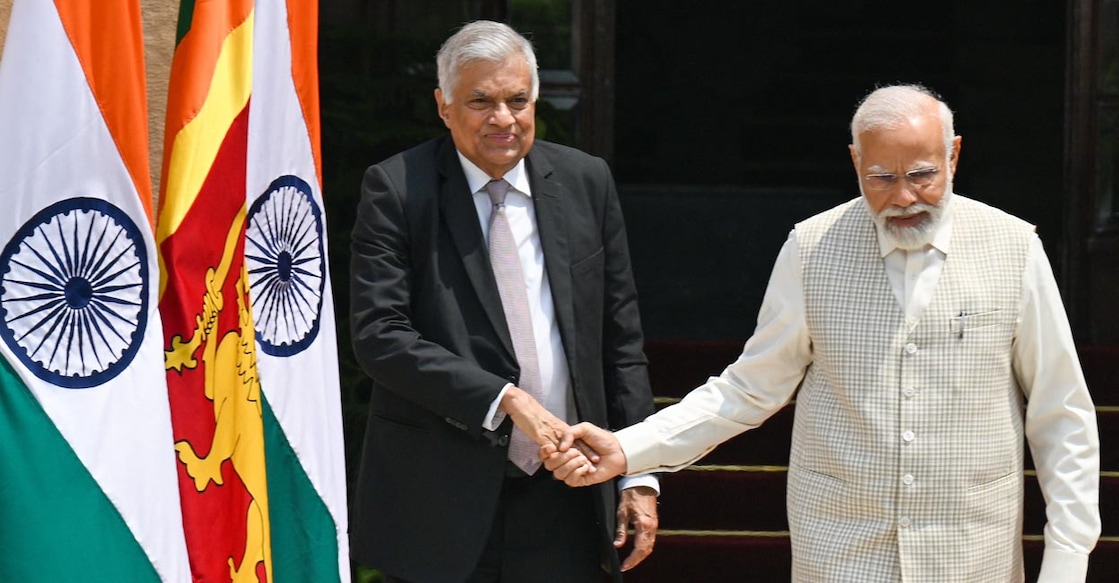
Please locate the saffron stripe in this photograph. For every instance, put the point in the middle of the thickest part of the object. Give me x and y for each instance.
(303, 27)
(113, 62)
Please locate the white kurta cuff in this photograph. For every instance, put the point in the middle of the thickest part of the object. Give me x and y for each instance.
(649, 480)
(1060, 566)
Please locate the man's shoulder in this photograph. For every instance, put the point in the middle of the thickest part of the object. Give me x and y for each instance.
(418, 168)
(830, 216)
(969, 209)
(555, 149)
(424, 151)
(562, 156)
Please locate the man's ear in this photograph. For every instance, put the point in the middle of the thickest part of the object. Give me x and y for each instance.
(440, 105)
(956, 141)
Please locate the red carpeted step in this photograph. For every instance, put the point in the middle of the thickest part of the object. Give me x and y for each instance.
(734, 559)
(1101, 370)
(678, 367)
(714, 559)
(698, 499)
(753, 499)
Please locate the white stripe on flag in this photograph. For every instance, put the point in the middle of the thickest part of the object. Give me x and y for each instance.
(302, 387)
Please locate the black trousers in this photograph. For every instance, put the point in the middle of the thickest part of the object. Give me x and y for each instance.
(543, 532)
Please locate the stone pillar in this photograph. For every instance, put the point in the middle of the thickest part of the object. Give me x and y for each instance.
(5, 12)
(160, 21)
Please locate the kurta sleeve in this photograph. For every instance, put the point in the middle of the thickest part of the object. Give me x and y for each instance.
(759, 383)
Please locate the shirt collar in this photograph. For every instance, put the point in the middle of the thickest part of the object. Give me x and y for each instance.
(477, 179)
(941, 238)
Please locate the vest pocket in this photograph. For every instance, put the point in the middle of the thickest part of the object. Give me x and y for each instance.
(994, 510)
(971, 321)
(817, 495)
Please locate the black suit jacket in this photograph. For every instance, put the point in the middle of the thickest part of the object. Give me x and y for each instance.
(429, 330)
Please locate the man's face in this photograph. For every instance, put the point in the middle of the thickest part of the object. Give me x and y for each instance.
(491, 117)
(904, 173)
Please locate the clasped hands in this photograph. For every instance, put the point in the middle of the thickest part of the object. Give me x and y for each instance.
(582, 455)
(585, 455)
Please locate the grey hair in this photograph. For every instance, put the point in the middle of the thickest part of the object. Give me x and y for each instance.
(482, 40)
(889, 107)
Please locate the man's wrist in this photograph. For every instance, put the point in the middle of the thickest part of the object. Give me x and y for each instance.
(646, 480)
(514, 400)
(495, 415)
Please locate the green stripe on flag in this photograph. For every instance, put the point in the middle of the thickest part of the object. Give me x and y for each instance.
(186, 17)
(56, 524)
(304, 536)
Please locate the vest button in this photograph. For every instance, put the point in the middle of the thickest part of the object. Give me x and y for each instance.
(911, 348)
(908, 436)
(909, 392)
(904, 522)
(907, 479)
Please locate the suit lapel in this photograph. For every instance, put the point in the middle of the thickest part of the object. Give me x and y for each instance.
(461, 218)
(551, 221)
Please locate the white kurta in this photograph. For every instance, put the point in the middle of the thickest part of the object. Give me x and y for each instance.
(906, 460)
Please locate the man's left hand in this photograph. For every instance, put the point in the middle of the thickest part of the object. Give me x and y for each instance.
(639, 509)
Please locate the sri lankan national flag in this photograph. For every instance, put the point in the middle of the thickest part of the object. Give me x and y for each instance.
(248, 317)
(87, 470)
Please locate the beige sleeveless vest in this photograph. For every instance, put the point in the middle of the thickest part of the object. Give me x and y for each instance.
(907, 454)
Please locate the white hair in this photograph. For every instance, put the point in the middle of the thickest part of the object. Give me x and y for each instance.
(892, 106)
(482, 40)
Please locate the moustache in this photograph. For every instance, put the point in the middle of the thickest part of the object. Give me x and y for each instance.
(909, 211)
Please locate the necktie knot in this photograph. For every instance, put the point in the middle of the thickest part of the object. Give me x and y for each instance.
(497, 189)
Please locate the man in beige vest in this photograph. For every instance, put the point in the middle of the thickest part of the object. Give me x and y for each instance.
(927, 338)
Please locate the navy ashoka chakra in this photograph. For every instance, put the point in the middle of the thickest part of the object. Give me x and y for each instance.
(284, 254)
(74, 292)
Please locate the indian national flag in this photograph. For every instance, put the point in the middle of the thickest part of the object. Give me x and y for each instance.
(87, 465)
(248, 316)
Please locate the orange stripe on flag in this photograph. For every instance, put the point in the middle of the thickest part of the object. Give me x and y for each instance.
(111, 51)
(190, 78)
(303, 24)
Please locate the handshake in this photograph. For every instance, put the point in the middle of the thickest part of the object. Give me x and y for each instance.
(580, 455)
(585, 455)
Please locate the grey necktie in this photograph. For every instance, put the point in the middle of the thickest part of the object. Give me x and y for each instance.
(514, 302)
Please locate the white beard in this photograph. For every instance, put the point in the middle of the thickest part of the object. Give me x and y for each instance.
(915, 237)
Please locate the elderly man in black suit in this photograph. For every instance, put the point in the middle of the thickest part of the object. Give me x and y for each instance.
(493, 304)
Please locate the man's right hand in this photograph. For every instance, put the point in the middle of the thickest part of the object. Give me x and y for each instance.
(568, 463)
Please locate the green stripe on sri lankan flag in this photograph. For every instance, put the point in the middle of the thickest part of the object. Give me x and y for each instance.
(291, 295)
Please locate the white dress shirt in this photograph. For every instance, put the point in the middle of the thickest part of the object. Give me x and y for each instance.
(766, 375)
(550, 354)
